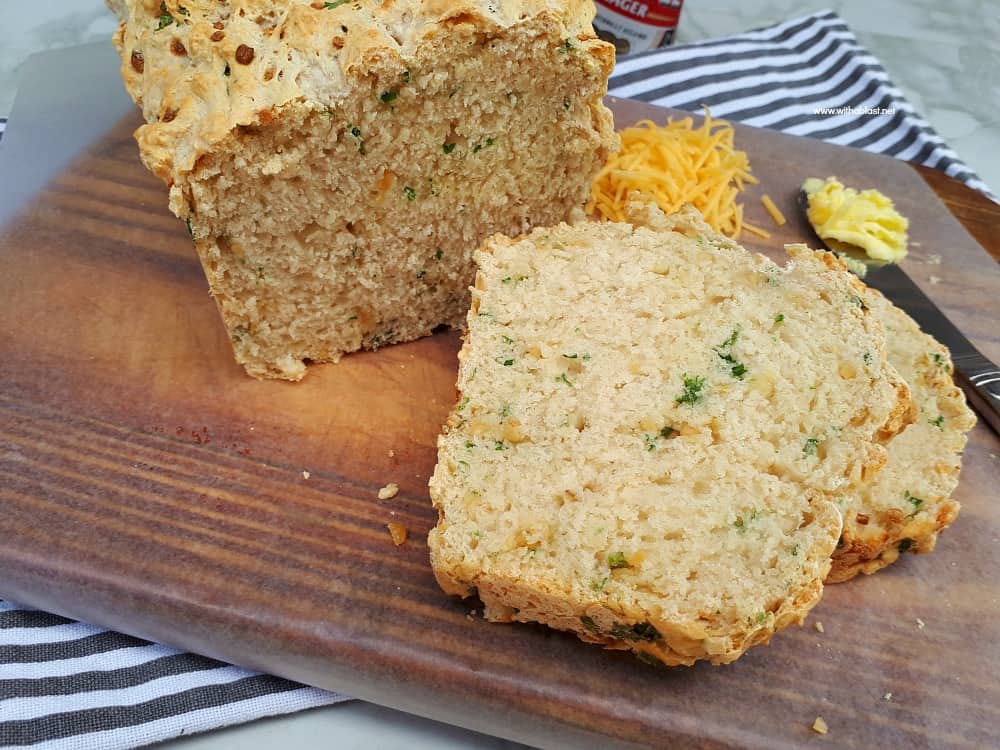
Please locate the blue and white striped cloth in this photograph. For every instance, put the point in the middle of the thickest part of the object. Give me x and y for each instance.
(808, 76)
(67, 685)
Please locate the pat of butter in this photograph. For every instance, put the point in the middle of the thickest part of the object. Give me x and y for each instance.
(866, 220)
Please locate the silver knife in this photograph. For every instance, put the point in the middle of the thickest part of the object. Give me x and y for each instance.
(974, 372)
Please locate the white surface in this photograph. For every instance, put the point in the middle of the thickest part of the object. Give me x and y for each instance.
(944, 55)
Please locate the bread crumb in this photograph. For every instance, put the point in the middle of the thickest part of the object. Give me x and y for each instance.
(398, 532)
(392, 454)
(920, 624)
(819, 627)
(935, 279)
(389, 491)
(934, 259)
(819, 726)
(305, 474)
(887, 696)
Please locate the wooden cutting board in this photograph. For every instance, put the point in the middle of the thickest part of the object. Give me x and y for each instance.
(148, 485)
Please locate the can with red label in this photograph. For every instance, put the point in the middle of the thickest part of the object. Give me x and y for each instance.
(637, 25)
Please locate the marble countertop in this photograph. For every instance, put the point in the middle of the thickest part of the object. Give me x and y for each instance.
(944, 56)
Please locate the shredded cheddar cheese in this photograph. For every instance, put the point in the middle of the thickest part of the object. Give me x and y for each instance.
(674, 164)
(773, 210)
(756, 230)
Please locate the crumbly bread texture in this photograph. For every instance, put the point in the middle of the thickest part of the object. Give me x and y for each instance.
(652, 427)
(909, 502)
(338, 163)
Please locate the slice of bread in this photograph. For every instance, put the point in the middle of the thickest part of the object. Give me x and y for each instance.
(651, 427)
(338, 163)
(909, 502)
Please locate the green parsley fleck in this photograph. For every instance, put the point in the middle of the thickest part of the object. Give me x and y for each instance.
(693, 387)
(618, 560)
(411, 194)
(190, 228)
(855, 299)
(905, 545)
(642, 631)
(563, 379)
(406, 76)
(725, 352)
(566, 47)
(567, 103)
(421, 273)
(809, 448)
(795, 550)
(499, 445)
(650, 441)
(506, 339)
(589, 624)
(867, 358)
(779, 318)
(938, 421)
(462, 404)
(916, 502)
(165, 18)
(598, 585)
(941, 361)
(504, 412)
(448, 147)
(469, 445)
(762, 617)
(508, 362)
(666, 432)
(389, 96)
(334, 4)
(438, 254)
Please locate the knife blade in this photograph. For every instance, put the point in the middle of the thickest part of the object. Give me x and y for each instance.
(975, 373)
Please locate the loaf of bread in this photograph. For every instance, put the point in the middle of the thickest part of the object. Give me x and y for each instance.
(338, 162)
(909, 502)
(652, 428)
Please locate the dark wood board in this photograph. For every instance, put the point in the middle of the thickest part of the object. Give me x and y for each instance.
(148, 485)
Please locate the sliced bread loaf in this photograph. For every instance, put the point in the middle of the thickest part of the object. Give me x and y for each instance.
(909, 502)
(337, 163)
(651, 426)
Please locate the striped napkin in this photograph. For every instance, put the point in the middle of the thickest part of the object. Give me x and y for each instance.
(808, 76)
(67, 685)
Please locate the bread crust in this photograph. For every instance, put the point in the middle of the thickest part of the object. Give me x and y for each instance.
(906, 505)
(197, 82)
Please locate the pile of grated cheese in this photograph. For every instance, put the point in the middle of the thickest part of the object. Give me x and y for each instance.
(674, 164)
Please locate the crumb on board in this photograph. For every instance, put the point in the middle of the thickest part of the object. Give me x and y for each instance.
(392, 454)
(398, 533)
(920, 624)
(934, 259)
(819, 626)
(934, 279)
(887, 697)
(819, 726)
(389, 491)
(305, 474)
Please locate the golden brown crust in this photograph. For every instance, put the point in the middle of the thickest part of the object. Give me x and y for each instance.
(906, 505)
(678, 644)
(246, 58)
